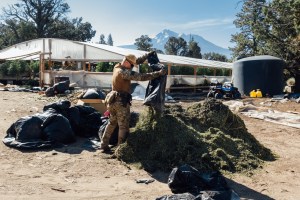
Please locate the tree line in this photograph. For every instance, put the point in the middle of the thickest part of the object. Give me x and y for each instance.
(178, 46)
(32, 19)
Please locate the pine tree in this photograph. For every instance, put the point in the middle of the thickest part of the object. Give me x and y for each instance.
(110, 40)
(250, 21)
(283, 36)
(143, 43)
(194, 51)
(176, 46)
(102, 39)
(215, 56)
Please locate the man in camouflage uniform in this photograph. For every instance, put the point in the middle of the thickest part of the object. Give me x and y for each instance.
(118, 100)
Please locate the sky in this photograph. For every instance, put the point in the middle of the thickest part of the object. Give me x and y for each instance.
(127, 20)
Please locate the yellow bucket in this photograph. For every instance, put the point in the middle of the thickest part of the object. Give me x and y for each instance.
(258, 93)
(253, 94)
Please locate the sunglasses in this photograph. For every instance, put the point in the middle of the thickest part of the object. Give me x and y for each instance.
(132, 65)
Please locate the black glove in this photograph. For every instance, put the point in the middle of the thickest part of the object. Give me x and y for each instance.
(152, 58)
(163, 71)
(151, 53)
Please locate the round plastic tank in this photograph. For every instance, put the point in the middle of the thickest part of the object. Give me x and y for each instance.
(259, 72)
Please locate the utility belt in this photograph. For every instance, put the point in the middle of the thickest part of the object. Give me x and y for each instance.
(123, 97)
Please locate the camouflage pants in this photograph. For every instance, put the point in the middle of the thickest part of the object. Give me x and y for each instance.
(119, 115)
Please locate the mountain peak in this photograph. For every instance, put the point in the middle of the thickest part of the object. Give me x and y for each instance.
(162, 37)
(168, 32)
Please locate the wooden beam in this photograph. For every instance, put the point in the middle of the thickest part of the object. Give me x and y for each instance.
(169, 73)
(42, 69)
(195, 76)
(169, 69)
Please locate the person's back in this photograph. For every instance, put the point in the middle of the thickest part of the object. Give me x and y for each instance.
(120, 84)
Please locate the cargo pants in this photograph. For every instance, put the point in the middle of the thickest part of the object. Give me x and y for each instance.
(119, 115)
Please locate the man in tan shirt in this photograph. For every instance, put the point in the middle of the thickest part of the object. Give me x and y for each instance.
(118, 100)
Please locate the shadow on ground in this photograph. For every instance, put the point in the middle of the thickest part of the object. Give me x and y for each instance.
(245, 192)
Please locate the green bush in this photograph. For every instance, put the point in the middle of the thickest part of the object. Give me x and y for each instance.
(105, 67)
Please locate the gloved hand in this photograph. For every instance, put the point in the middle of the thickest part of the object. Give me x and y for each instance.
(151, 53)
(163, 71)
(152, 58)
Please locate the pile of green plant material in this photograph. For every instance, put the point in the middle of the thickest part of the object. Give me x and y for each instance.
(206, 136)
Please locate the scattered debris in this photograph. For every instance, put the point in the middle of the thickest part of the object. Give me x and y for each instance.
(146, 181)
(58, 189)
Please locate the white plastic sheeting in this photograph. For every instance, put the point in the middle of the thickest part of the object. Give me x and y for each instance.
(61, 50)
(57, 50)
(166, 59)
(264, 113)
(87, 79)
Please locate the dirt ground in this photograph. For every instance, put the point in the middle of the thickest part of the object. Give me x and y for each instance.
(75, 172)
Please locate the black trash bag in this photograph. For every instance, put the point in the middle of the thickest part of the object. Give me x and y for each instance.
(41, 130)
(188, 179)
(90, 121)
(61, 87)
(48, 113)
(184, 196)
(152, 58)
(185, 179)
(114, 137)
(93, 94)
(57, 129)
(26, 129)
(73, 115)
(155, 92)
(26, 133)
(214, 181)
(219, 195)
(49, 92)
(85, 110)
(60, 106)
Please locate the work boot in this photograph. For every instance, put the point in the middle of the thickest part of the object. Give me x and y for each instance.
(104, 149)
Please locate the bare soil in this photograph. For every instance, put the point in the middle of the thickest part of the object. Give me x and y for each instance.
(76, 172)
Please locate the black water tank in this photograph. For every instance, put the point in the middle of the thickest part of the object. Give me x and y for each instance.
(259, 72)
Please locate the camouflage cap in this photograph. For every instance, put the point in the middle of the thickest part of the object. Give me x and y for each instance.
(131, 59)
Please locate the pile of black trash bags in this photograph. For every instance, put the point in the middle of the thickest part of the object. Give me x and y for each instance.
(58, 88)
(59, 123)
(187, 183)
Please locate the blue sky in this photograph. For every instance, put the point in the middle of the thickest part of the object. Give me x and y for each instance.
(127, 20)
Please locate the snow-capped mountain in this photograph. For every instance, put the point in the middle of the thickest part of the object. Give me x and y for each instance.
(161, 38)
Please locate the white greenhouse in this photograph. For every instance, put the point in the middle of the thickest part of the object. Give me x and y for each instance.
(81, 53)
